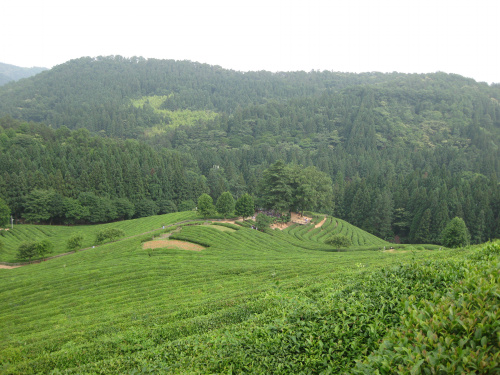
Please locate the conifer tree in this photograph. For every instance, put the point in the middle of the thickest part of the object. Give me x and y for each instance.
(455, 234)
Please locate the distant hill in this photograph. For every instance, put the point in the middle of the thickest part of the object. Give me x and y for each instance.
(10, 73)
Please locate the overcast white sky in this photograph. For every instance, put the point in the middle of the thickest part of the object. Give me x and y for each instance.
(454, 36)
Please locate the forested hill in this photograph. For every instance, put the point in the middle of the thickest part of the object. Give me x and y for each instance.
(10, 73)
(406, 152)
(96, 93)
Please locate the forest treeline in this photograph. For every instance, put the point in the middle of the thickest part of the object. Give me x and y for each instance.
(405, 153)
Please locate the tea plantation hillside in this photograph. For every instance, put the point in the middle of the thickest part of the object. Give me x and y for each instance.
(304, 236)
(250, 302)
(59, 235)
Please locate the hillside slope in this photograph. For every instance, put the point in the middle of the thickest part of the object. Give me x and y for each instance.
(120, 309)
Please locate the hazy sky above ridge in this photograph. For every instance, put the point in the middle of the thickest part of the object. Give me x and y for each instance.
(339, 35)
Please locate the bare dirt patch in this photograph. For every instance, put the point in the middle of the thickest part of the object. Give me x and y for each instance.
(7, 267)
(281, 225)
(172, 244)
(300, 219)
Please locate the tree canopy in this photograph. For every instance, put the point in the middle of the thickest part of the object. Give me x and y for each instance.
(294, 188)
(4, 213)
(225, 204)
(455, 234)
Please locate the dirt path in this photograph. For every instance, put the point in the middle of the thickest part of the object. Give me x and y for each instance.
(7, 267)
(320, 223)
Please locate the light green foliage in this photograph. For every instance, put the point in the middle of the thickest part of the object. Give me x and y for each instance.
(451, 332)
(108, 234)
(245, 206)
(171, 119)
(206, 205)
(4, 213)
(75, 241)
(455, 234)
(339, 241)
(44, 247)
(225, 204)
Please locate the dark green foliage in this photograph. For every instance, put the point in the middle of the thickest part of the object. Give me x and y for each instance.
(293, 188)
(206, 205)
(27, 251)
(225, 204)
(124, 208)
(187, 205)
(275, 188)
(40, 205)
(168, 206)
(146, 207)
(74, 178)
(75, 242)
(31, 249)
(263, 221)
(245, 206)
(4, 213)
(109, 234)
(415, 142)
(339, 241)
(455, 234)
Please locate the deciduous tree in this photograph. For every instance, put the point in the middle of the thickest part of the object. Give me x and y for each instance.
(205, 205)
(245, 206)
(225, 204)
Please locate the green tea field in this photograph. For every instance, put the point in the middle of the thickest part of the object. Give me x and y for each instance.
(249, 302)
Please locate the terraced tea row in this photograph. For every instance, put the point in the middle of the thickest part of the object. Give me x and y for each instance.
(59, 235)
(331, 226)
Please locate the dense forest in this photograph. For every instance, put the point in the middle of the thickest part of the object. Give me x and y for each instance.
(110, 138)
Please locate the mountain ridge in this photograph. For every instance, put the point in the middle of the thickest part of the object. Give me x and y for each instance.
(9, 73)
